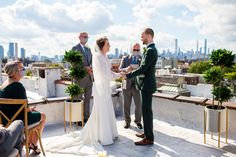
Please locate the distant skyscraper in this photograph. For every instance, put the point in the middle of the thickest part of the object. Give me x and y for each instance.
(11, 51)
(117, 52)
(121, 52)
(61, 57)
(56, 58)
(168, 51)
(205, 46)
(16, 50)
(34, 57)
(1, 52)
(39, 57)
(176, 46)
(197, 47)
(22, 53)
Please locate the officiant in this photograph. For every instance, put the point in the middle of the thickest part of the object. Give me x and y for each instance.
(129, 87)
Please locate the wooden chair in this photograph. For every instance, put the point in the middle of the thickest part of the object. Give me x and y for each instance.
(28, 129)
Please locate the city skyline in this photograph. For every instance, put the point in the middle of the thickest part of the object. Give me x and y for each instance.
(13, 51)
(51, 26)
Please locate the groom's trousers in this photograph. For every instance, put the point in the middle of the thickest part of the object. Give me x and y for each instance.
(147, 114)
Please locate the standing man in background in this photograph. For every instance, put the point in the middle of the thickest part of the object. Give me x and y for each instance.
(130, 90)
(87, 81)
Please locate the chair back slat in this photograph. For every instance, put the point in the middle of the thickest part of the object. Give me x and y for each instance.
(16, 114)
(13, 101)
(22, 102)
(2, 114)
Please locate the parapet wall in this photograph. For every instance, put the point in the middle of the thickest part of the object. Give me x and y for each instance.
(175, 112)
(187, 115)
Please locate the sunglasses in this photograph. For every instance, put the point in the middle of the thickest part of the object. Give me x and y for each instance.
(136, 50)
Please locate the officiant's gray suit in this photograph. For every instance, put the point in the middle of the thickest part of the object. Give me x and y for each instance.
(87, 81)
(130, 92)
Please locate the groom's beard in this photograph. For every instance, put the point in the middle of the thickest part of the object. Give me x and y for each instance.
(144, 42)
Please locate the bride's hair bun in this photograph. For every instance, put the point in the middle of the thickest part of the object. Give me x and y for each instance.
(101, 42)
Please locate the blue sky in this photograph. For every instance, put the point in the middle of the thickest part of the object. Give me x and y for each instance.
(52, 26)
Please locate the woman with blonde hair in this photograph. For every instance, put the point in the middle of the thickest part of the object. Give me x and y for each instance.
(13, 89)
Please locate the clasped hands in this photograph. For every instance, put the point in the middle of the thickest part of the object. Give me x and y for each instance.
(125, 71)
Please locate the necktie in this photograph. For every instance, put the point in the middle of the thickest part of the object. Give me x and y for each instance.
(134, 60)
(86, 55)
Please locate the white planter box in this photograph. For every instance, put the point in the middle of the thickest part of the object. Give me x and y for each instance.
(76, 111)
(212, 119)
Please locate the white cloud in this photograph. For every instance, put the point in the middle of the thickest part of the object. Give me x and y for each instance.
(184, 12)
(48, 28)
(165, 40)
(143, 12)
(180, 22)
(215, 19)
(123, 36)
(218, 20)
(52, 28)
(63, 18)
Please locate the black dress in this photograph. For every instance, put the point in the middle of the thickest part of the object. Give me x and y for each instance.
(16, 90)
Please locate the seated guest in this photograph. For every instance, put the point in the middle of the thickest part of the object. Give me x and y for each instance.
(13, 89)
(11, 137)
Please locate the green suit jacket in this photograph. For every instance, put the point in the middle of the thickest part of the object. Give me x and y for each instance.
(146, 80)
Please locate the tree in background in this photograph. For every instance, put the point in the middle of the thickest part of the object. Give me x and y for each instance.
(199, 67)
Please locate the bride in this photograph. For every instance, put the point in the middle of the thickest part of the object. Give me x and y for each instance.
(100, 128)
(101, 125)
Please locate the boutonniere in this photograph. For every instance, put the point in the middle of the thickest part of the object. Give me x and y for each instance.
(144, 49)
(87, 47)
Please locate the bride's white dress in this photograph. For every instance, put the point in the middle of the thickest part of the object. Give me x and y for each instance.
(101, 125)
(100, 128)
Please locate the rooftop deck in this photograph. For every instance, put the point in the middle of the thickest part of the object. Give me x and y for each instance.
(170, 141)
(178, 129)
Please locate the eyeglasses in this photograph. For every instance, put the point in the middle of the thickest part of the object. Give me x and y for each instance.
(136, 50)
(85, 36)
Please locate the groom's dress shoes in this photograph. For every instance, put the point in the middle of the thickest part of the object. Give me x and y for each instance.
(127, 125)
(142, 135)
(144, 142)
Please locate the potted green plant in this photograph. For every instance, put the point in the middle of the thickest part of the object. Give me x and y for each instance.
(222, 60)
(74, 106)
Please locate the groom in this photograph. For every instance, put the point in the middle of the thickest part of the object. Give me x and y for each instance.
(146, 82)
